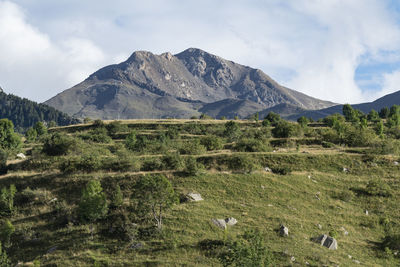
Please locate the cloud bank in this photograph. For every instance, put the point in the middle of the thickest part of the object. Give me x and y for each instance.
(312, 46)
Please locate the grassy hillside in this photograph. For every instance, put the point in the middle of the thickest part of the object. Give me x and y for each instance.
(320, 183)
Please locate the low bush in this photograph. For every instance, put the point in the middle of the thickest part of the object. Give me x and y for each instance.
(3, 161)
(151, 164)
(211, 142)
(252, 145)
(192, 147)
(58, 144)
(285, 129)
(192, 167)
(378, 188)
(172, 161)
(282, 170)
(242, 163)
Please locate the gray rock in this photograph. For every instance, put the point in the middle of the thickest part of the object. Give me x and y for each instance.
(230, 221)
(219, 223)
(194, 197)
(136, 245)
(283, 230)
(51, 250)
(326, 241)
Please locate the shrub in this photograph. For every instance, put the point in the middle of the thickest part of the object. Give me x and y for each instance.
(212, 142)
(93, 204)
(99, 135)
(271, 119)
(31, 135)
(232, 130)
(192, 167)
(345, 196)
(98, 123)
(248, 250)
(378, 188)
(252, 145)
(282, 170)
(6, 230)
(172, 161)
(7, 199)
(3, 161)
(117, 198)
(58, 144)
(116, 127)
(242, 163)
(302, 121)
(29, 196)
(130, 141)
(284, 129)
(327, 144)
(391, 241)
(89, 163)
(4, 261)
(192, 147)
(151, 164)
(40, 128)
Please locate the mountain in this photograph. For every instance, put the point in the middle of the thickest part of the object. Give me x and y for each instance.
(25, 113)
(182, 85)
(385, 101)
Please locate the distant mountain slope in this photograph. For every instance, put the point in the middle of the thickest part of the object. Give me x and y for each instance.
(385, 101)
(25, 113)
(182, 85)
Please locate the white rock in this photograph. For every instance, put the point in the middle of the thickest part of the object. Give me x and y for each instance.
(366, 212)
(262, 187)
(319, 226)
(194, 197)
(267, 169)
(230, 221)
(309, 177)
(293, 259)
(345, 170)
(396, 163)
(283, 230)
(356, 261)
(349, 256)
(21, 156)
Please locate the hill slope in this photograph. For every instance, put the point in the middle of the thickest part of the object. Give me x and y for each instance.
(385, 101)
(314, 197)
(25, 113)
(152, 86)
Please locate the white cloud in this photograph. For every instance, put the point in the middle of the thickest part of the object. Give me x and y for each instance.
(34, 66)
(313, 46)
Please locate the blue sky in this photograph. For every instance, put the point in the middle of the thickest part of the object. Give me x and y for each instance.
(347, 51)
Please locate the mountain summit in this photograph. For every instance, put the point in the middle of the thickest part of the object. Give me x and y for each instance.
(182, 85)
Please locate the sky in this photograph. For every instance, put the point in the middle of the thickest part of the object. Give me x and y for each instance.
(345, 51)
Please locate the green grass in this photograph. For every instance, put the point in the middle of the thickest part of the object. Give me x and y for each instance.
(316, 192)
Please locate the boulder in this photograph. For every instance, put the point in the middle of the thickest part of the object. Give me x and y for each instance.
(283, 230)
(21, 156)
(326, 241)
(194, 197)
(220, 223)
(51, 250)
(230, 221)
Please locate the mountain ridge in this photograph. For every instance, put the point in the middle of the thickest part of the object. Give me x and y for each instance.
(147, 85)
